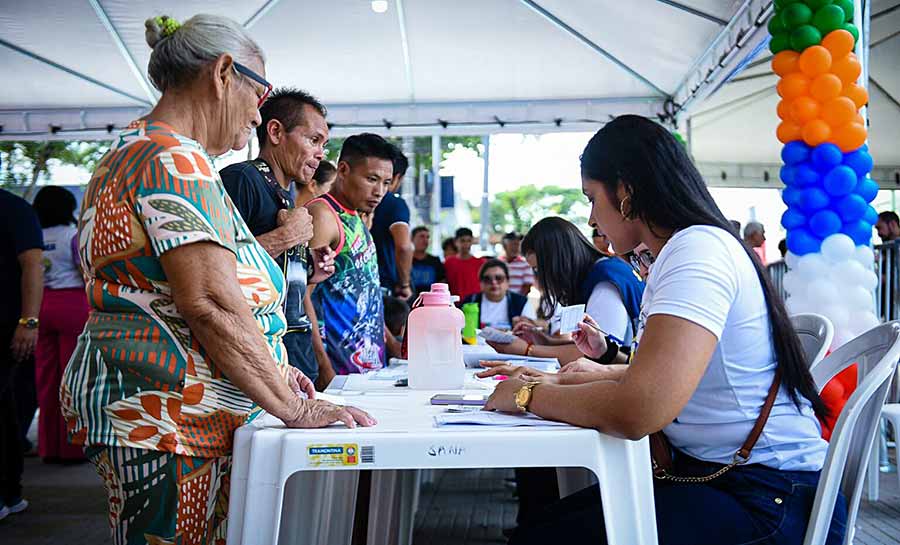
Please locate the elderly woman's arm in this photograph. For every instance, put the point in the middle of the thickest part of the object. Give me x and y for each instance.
(652, 391)
(202, 277)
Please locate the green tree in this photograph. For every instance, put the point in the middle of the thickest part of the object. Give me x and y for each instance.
(521, 208)
(25, 162)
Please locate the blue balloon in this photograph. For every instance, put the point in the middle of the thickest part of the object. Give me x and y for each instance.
(841, 180)
(794, 152)
(802, 242)
(826, 156)
(812, 199)
(787, 175)
(825, 223)
(860, 161)
(870, 216)
(790, 196)
(804, 175)
(859, 231)
(867, 189)
(792, 219)
(850, 208)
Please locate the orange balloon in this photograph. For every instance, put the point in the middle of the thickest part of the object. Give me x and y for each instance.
(814, 60)
(850, 137)
(815, 132)
(856, 93)
(825, 87)
(785, 62)
(787, 131)
(793, 85)
(804, 109)
(839, 42)
(839, 111)
(784, 109)
(847, 68)
(858, 118)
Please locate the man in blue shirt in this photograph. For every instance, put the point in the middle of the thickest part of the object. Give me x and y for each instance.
(390, 230)
(22, 278)
(292, 139)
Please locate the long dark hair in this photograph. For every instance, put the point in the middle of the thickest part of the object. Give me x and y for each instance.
(54, 206)
(667, 193)
(564, 257)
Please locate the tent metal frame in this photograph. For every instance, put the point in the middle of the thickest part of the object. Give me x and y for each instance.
(123, 50)
(693, 11)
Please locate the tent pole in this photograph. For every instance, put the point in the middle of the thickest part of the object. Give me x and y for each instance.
(436, 193)
(406, 190)
(485, 203)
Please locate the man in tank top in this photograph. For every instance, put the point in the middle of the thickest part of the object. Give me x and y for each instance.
(353, 312)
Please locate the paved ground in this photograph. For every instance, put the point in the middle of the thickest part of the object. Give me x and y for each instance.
(461, 507)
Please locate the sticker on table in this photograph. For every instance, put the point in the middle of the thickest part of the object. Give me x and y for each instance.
(333, 455)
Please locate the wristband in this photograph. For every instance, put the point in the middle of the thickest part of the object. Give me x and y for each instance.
(611, 350)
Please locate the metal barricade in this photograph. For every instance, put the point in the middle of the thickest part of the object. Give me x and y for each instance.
(776, 273)
(887, 266)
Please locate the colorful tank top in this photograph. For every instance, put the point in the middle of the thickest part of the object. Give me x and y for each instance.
(350, 301)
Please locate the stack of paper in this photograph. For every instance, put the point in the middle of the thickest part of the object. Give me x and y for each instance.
(488, 418)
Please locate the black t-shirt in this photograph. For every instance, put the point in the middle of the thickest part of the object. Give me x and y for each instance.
(426, 272)
(259, 201)
(392, 209)
(19, 231)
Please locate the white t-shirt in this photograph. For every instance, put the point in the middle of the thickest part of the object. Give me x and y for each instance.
(704, 275)
(494, 314)
(60, 271)
(606, 307)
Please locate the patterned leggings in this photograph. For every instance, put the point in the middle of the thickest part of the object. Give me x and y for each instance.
(160, 498)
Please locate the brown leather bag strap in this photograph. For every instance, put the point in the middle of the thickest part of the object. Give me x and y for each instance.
(744, 451)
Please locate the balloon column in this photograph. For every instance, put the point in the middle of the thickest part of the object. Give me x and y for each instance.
(826, 164)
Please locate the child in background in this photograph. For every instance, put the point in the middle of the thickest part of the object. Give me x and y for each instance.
(395, 313)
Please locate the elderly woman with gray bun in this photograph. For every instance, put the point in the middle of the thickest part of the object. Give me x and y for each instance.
(183, 344)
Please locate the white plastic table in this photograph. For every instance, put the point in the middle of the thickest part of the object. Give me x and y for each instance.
(266, 455)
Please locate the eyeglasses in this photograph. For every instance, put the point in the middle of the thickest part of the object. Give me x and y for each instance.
(244, 71)
(642, 259)
(488, 279)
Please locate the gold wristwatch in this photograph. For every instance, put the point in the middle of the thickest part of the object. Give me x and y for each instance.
(29, 323)
(523, 395)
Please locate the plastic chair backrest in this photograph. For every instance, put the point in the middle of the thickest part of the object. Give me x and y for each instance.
(876, 352)
(816, 333)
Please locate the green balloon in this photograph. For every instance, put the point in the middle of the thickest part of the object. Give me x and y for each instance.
(828, 18)
(817, 4)
(796, 15)
(779, 43)
(847, 7)
(805, 36)
(851, 28)
(776, 25)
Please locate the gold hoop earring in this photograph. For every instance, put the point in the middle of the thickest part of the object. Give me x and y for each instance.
(622, 207)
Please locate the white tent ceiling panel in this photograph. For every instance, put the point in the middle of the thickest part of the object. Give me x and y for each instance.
(723, 9)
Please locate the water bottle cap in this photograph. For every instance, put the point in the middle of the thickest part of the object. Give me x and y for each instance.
(440, 287)
(438, 296)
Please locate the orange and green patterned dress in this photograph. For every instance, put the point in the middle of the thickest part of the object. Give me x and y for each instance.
(140, 393)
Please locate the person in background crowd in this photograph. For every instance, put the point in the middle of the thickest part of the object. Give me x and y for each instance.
(736, 225)
(782, 247)
(351, 300)
(521, 277)
(395, 313)
(390, 231)
(498, 305)
(22, 278)
(601, 242)
(714, 338)
(888, 226)
(321, 183)
(183, 344)
(292, 137)
(755, 238)
(448, 247)
(64, 310)
(462, 268)
(426, 269)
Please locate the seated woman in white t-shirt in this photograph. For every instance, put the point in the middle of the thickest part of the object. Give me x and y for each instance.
(714, 339)
(569, 270)
(498, 306)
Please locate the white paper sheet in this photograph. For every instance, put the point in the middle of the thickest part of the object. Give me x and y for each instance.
(489, 418)
(570, 317)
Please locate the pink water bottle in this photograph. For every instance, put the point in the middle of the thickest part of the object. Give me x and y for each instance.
(435, 344)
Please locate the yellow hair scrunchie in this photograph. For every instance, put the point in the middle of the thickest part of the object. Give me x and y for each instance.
(168, 25)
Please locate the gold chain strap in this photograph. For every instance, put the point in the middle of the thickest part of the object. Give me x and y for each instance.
(663, 476)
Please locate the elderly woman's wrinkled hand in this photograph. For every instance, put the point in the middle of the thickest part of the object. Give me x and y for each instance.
(317, 413)
(301, 384)
(498, 368)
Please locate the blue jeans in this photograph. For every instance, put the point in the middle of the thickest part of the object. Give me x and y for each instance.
(300, 352)
(747, 505)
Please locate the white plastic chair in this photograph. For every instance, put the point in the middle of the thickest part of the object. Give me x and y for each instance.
(876, 352)
(816, 333)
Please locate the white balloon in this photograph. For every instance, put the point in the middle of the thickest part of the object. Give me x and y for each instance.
(791, 282)
(848, 273)
(862, 321)
(839, 316)
(869, 280)
(822, 291)
(857, 298)
(811, 267)
(791, 260)
(865, 256)
(838, 247)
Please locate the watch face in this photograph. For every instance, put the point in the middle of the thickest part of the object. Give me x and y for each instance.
(522, 396)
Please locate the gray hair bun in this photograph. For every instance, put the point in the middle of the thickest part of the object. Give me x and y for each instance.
(153, 32)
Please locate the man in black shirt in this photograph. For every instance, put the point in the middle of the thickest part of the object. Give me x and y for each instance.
(426, 268)
(292, 138)
(390, 231)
